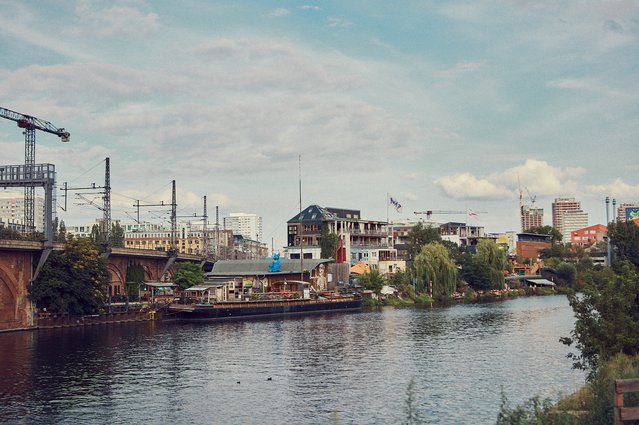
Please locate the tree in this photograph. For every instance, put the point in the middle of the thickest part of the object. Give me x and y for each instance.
(434, 267)
(475, 272)
(328, 243)
(95, 234)
(607, 317)
(373, 280)
(187, 275)
(117, 235)
(555, 235)
(624, 237)
(567, 274)
(62, 232)
(134, 278)
(72, 281)
(421, 235)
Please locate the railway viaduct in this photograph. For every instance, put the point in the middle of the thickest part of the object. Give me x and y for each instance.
(19, 259)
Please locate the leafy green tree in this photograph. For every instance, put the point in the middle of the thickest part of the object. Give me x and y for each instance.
(421, 235)
(624, 237)
(72, 281)
(555, 235)
(95, 234)
(328, 243)
(566, 274)
(187, 275)
(117, 235)
(134, 278)
(476, 273)
(607, 317)
(402, 281)
(434, 267)
(62, 232)
(373, 280)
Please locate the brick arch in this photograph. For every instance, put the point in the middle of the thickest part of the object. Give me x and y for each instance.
(117, 276)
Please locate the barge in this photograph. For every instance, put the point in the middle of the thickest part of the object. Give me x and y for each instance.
(261, 308)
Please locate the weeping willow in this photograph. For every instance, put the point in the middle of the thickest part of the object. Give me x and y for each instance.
(495, 258)
(432, 264)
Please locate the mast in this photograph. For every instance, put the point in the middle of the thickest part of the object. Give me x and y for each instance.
(301, 224)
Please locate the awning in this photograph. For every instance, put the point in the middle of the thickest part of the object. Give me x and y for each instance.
(541, 282)
(160, 284)
(202, 288)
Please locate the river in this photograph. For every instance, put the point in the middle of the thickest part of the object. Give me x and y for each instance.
(339, 368)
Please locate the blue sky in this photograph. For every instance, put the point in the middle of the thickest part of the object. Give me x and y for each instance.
(444, 105)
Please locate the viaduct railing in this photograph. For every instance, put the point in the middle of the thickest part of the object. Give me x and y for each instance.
(622, 413)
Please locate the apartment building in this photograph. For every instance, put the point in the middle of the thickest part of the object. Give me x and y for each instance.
(364, 240)
(559, 207)
(247, 225)
(531, 217)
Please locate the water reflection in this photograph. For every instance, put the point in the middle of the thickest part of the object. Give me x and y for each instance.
(353, 368)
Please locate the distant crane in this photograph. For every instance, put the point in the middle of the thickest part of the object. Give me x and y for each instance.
(429, 213)
(30, 125)
(533, 198)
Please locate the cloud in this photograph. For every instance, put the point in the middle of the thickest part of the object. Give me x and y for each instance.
(339, 23)
(309, 7)
(618, 188)
(279, 12)
(536, 177)
(115, 20)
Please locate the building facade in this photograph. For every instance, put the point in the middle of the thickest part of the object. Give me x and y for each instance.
(12, 212)
(559, 207)
(531, 217)
(588, 236)
(573, 220)
(626, 212)
(363, 240)
(247, 225)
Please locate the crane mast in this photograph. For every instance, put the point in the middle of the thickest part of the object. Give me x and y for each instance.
(30, 125)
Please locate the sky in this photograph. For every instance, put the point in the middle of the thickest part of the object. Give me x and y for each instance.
(442, 105)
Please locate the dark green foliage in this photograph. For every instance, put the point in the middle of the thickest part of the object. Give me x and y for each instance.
(95, 234)
(187, 275)
(566, 274)
(475, 272)
(373, 280)
(328, 243)
(62, 232)
(72, 281)
(117, 235)
(532, 412)
(402, 281)
(607, 317)
(624, 237)
(134, 277)
(555, 235)
(421, 235)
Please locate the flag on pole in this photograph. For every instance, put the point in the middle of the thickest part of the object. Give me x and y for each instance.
(397, 205)
(472, 214)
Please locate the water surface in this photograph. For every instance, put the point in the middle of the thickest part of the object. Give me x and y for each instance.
(347, 368)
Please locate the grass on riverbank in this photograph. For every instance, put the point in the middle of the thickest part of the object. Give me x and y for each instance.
(591, 405)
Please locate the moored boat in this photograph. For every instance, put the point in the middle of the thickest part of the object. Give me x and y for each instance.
(261, 308)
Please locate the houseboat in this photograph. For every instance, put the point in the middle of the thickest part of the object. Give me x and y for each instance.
(262, 288)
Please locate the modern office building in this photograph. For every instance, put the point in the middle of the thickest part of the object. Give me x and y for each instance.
(573, 220)
(559, 206)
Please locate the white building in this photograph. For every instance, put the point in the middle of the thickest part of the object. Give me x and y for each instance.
(247, 225)
(12, 211)
(573, 220)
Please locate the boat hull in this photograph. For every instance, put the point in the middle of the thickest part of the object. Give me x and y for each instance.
(256, 309)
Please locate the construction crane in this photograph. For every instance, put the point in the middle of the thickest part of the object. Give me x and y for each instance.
(30, 125)
(533, 198)
(429, 213)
